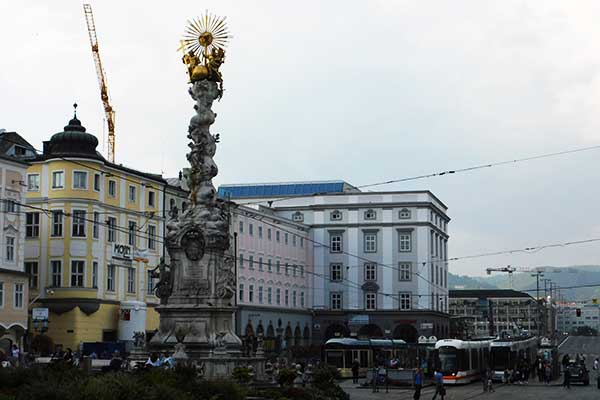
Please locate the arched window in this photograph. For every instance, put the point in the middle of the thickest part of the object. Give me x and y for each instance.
(171, 204)
(183, 206)
(335, 215)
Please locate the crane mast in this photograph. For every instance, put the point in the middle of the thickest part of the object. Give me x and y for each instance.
(108, 110)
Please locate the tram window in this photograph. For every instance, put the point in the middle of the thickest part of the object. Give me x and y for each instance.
(335, 358)
(362, 356)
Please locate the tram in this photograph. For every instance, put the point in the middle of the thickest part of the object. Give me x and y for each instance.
(506, 353)
(341, 353)
(461, 361)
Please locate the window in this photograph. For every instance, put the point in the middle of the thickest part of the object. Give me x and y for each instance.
(335, 243)
(278, 267)
(251, 262)
(302, 270)
(437, 275)
(152, 237)
(183, 206)
(10, 248)
(404, 213)
(269, 266)
(335, 215)
(56, 273)
(370, 242)
(250, 293)
(130, 280)
(277, 236)
(404, 271)
(260, 229)
(10, 206)
(251, 229)
(57, 223)
(431, 242)
(58, 179)
(132, 231)
(269, 295)
(335, 272)
(294, 240)
(301, 242)
(336, 301)
(151, 199)
(78, 223)
(405, 300)
(132, 194)
(150, 284)
(241, 262)
(112, 229)
(294, 269)
(112, 188)
(79, 180)
(278, 296)
(405, 241)
(77, 270)
(287, 268)
(33, 182)
(31, 267)
(294, 302)
(370, 272)
(19, 289)
(241, 227)
(269, 233)
(370, 301)
(260, 263)
(301, 299)
(1, 294)
(297, 216)
(110, 278)
(241, 292)
(286, 299)
(260, 294)
(97, 182)
(287, 238)
(370, 214)
(96, 225)
(95, 274)
(32, 224)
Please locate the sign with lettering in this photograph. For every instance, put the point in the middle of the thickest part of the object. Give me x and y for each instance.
(122, 251)
(39, 314)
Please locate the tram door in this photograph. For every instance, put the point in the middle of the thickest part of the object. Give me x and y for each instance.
(363, 357)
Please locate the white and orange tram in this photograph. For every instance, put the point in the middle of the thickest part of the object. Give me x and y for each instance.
(461, 361)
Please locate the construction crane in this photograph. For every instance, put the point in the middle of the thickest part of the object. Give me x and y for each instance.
(510, 269)
(108, 110)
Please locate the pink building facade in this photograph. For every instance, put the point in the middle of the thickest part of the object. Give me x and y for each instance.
(274, 274)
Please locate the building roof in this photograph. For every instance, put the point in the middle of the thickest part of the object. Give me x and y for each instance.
(284, 189)
(487, 293)
(10, 139)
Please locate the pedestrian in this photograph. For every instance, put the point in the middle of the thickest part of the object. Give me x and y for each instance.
(355, 369)
(438, 377)
(15, 354)
(540, 370)
(565, 361)
(547, 374)
(375, 379)
(382, 376)
(596, 364)
(418, 382)
(489, 376)
(567, 379)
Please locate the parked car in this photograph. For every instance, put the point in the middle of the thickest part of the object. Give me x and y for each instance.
(579, 373)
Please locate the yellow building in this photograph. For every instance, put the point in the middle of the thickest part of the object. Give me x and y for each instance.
(93, 233)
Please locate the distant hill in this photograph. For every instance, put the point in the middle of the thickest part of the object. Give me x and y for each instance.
(563, 276)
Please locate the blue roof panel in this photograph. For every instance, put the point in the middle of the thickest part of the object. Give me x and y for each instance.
(280, 189)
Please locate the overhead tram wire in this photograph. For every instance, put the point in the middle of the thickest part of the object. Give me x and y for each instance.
(441, 173)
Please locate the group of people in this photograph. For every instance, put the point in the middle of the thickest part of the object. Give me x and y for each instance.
(438, 380)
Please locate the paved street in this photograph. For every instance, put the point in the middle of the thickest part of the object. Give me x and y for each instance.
(590, 346)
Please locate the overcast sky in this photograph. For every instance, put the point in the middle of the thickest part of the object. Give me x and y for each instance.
(357, 90)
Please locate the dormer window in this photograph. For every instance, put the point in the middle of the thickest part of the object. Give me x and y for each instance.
(336, 215)
(297, 216)
(370, 214)
(404, 213)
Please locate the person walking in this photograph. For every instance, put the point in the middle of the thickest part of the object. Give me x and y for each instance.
(567, 379)
(439, 384)
(375, 379)
(540, 369)
(489, 376)
(418, 382)
(484, 380)
(547, 374)
(355, 369)
(596, 364)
